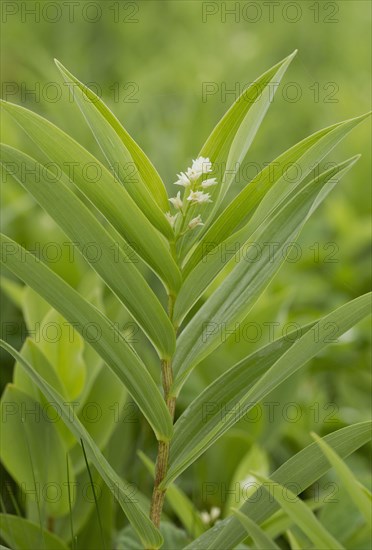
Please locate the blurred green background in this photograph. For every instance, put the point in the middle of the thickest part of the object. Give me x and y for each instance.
(152, 62)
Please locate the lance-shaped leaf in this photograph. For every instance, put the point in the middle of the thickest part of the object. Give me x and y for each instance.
(255, 266)
(210, 411)
(21, 534)
(123, 154)
(300, 514)
(229, 142)
(298, 473)
(122, 490)
(108, 260)
(259, 537)
(273, 184)
(359, 494)
(205, 272)
(239, 389)
(32, 449)
(102, 189)
(96, 330)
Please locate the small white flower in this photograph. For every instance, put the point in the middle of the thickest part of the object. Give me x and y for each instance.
(199, 167)
(209, 182)
(205, 517)
(171, 219)
(195, 222)
(208, 518)
(182, 180)
(199, 197)
(177, 201)
(215, 513)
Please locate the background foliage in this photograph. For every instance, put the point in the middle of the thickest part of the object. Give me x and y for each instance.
(152, 74)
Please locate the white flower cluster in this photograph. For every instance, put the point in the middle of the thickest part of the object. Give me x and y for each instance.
(193, 191)
(209, 518)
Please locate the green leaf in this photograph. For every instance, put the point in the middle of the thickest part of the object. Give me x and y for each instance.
(229, 142)
(34, 308)
(33, 354)
(250, 275)
(247, 383)
(302, 470)
(96, 329)
(174, 538)
(271, 186)
(259, 537)
(32, 450)
(108, 260)
(231, 138)
(215, 262)
(294, 543)
(123, 154)
(204, 420)
(13, 290)
(359, 494)
(22, 534)
(104, 394)
(122, 491)
(300, 514)
(255, 459)
(73, 163)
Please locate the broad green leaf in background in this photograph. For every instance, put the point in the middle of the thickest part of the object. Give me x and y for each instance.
(230, 304)
(123, 154)
(359, 494)
(121, 490)
(271, 186)
(63, 347)
(35, 356)
(259, 537)
(32, 450)
(248, 382)
(109, 261)
(13, 290)
(229, 142)
(256, 459)
(300, 514)
(71, 160)
(205, 272)
(96, 329)
(22, 534)
(34, 308)
(301, 470)
(99, 413)
(33, 353)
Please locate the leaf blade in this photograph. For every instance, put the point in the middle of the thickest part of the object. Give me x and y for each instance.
(360, 495)
(259, 537)
(109, 197)
(147, 190)
(303, 469)
(85, 231)
(243, 285)
(301, 515)
(84, 317)
(139, 520)
(240, 388)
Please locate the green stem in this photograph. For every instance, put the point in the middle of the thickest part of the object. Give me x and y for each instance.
(161, 466)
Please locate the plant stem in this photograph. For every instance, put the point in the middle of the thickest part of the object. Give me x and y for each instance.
(161, 467)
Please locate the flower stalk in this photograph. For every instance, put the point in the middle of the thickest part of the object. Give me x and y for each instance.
(193, 195)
